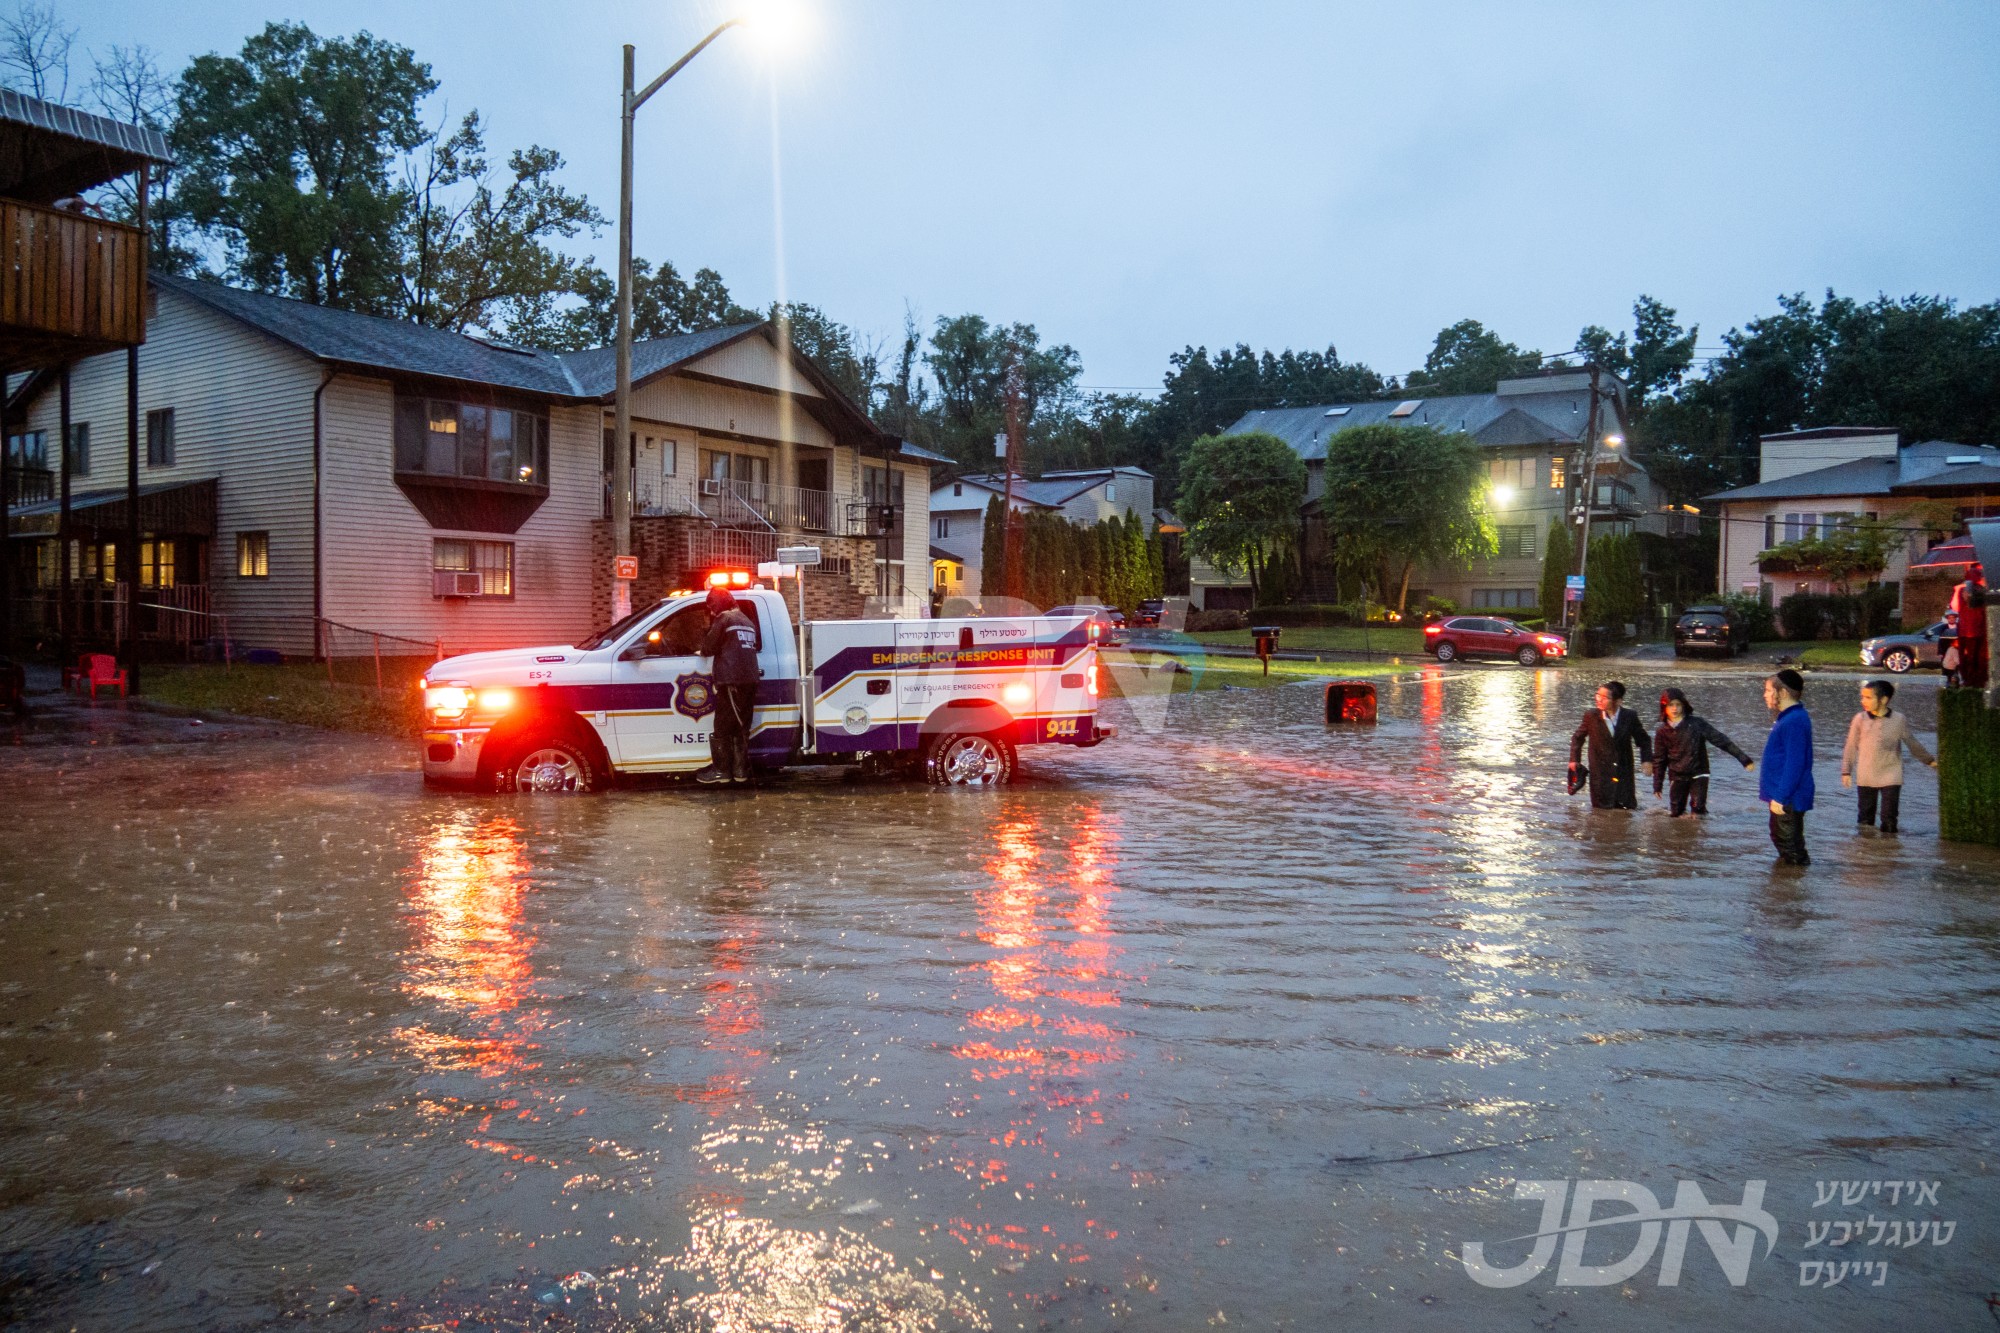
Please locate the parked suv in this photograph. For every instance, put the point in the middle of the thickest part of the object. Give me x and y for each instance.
(1151, 611)
(1490, 636)
(1710, 629)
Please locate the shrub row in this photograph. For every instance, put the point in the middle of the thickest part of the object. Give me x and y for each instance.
(1813, 615)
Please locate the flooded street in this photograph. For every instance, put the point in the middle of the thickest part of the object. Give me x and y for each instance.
(1236, 1020)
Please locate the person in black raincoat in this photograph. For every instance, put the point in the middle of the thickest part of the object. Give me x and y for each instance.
(1611, 730)
(1680, 754)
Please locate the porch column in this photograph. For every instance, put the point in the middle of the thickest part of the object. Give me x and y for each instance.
(788, 478)
(128, 546)
(62, 531)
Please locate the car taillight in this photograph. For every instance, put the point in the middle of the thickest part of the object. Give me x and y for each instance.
(1433, 629)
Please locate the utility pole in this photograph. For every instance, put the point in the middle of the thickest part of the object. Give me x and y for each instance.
(1589, 488)
(1009, 545)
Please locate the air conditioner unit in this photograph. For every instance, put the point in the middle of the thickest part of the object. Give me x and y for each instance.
(455, 583)
(712, 486)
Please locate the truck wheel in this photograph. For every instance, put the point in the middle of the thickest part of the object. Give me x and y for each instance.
(547, 764)
(1899, 660)
(969, 759)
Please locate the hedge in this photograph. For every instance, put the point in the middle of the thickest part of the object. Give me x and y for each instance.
(1968, 767)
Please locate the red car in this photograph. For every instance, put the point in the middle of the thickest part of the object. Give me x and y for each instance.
(1489, 636)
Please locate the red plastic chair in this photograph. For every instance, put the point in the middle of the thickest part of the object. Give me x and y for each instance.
(102, 669)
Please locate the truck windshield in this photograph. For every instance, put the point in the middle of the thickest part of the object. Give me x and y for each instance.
(604, 636)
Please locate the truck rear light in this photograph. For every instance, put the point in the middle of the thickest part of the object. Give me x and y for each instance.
(1093, 680)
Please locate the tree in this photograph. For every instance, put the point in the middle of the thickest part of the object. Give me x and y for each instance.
(970, 360)
(127, 85)
(1467, 357)
(1240, 496)
(471, 257)
(1558, 563)
(663, 305)
(287, 154)
(1614, 589)
(847, 359)
(1658, 357)
(34, 52)
(1400, 495)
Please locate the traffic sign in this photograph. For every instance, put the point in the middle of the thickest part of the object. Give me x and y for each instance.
(625, 567)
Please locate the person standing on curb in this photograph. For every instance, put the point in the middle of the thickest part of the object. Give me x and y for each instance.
(1872, 762)
(1680, 753)
(732, 642)
(1611, 730)
(1786, 783)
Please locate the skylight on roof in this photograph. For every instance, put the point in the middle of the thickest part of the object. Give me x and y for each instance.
(1953, 460)
(1404, 409)
(1336, 411)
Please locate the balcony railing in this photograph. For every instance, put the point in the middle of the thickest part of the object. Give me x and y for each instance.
(70, 277)
(751, 505)
(30, 485)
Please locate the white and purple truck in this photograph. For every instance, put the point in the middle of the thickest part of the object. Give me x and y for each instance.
(954, 699)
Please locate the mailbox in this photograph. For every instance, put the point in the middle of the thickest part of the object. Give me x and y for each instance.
(1266, 639)
(1350, 701)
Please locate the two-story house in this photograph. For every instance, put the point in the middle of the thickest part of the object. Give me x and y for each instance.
(958, 512)
(1533, 430)
(314, 477)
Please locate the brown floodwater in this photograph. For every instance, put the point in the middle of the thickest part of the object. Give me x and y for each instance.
(1239, 1020)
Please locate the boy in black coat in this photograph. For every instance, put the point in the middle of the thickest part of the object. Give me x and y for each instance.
(1680, 753)
(1611, 730)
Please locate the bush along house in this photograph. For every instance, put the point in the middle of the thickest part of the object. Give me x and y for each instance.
(1843, 508)
(314, 481)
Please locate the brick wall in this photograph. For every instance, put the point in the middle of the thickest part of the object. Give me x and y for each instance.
(661, 543)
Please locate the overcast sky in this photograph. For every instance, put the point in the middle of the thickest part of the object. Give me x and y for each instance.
(1132, 178)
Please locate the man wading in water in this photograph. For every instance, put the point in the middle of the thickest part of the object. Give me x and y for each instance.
(1786, 783)
(1611, 730)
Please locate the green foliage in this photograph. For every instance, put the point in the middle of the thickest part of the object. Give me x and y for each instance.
(1968, 767)
(1614, 589)
(1397, 496)
(663, 304)
(1858, 548)
(1813, 615)
(1756, 615)
(287, 154)
(1658, 356)
(1240, 498)
(1469, 358)
(1558, 563)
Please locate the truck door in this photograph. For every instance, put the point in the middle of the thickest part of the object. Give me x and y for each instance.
(663, 696)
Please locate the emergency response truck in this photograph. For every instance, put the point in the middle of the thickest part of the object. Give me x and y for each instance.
(953, 699)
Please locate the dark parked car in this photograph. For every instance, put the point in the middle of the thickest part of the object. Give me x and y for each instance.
(1151, 612)
(1900, 652)
(1490, 636)
(1710, 629)
(1110, 620)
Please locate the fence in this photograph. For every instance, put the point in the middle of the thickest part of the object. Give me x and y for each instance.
(369, 657)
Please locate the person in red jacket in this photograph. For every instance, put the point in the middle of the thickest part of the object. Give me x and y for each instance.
(1968, 600)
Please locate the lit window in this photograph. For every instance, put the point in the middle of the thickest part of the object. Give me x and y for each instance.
(441, 438)
(156, 563)
(253, 555)
(1558, 472)
(492, 561)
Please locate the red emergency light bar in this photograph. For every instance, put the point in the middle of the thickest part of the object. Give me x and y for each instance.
(727, 578)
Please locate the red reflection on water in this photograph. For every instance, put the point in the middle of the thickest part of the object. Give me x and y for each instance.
(732, 1008)
(1039, 1049)
(471, 953)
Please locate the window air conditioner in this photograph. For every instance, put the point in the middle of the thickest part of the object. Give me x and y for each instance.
(455, 583)
(711, 486)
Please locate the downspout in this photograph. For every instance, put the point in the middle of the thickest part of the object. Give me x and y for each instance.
(319, 568)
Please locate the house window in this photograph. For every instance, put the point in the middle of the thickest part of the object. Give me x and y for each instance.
(492, 561)
(1770, 531)
(78, 461)
(1800, 527)
(253, 555)
(943, 526)
(1518, 473)
(160, 437)
(1558, 472)
(1496, 599)
(438, 437)
(1517, 542)
(958, 488)
(156, 563)
(29, 449)
(1111, 492)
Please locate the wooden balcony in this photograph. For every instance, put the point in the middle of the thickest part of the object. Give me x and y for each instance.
(70, 285)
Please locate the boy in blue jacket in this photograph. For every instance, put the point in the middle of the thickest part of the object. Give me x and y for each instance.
(1785, 782)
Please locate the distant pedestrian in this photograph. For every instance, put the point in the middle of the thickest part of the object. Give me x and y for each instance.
(1786, 784)
(1949, 660)
(1680, 754)
(1872, 762)
(1969, 600)
(1610, 730)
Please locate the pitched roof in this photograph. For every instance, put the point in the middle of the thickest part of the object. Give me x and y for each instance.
(1555, 416)
(1914, 470)
(1050, 492)
(595, 369)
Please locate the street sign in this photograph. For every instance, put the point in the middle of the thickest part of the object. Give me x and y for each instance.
(624, 566)
(798, 555)
(773, 569)
(1573, 587)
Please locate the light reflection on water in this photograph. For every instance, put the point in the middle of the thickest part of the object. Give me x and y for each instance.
(1163, 1034)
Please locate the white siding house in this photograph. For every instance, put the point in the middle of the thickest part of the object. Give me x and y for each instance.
(311, 478)
(1087, 497)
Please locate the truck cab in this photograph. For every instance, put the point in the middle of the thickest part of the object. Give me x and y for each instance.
(954, 698)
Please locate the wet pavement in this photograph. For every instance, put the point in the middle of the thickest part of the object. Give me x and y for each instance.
(1237, 1021)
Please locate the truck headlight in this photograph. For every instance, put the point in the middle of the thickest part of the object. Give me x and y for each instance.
(447, 702)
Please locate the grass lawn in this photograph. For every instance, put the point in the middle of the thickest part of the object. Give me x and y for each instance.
(293, 693)
(1822, 653)
(1315, 638)
(1213, 673)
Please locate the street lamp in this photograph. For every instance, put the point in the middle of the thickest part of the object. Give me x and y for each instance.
(621, 446)
(1503, 496)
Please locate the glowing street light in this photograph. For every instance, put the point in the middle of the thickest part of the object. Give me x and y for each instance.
(768, 23)
(1503, 496)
